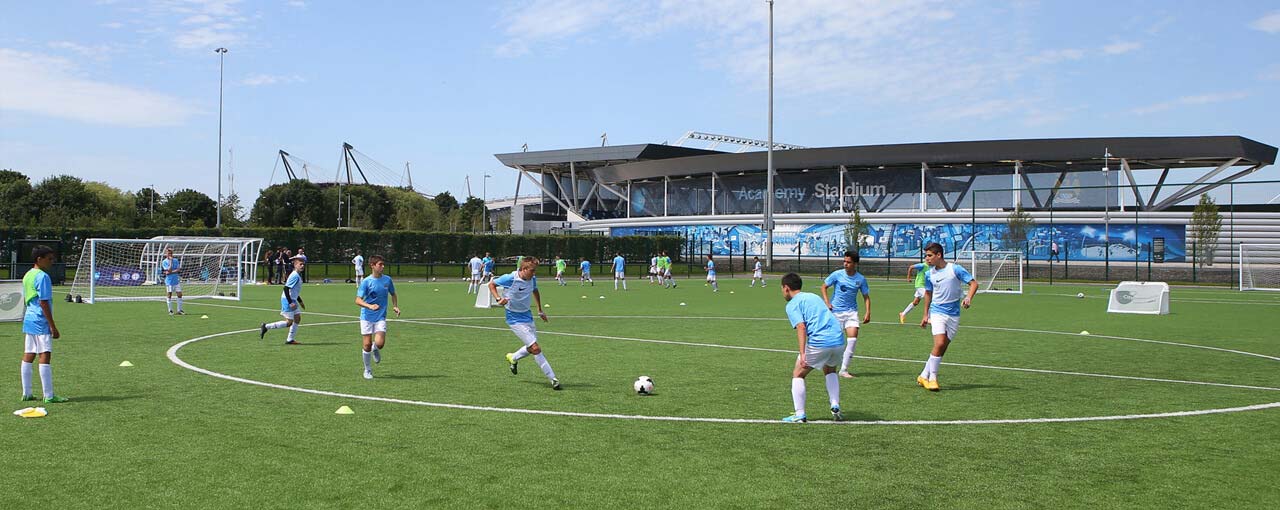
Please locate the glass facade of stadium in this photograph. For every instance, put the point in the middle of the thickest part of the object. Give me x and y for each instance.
(958, 193)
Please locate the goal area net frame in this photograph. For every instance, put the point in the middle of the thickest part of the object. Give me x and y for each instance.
(997, 271)
(1259, 267)
(130, 269)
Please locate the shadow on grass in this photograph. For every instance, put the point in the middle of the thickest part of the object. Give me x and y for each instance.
(103, 398)
(409, 376)
(964, 387)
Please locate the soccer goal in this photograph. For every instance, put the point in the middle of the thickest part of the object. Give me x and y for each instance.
(1259, 266)
(995, 271)
(130, 269)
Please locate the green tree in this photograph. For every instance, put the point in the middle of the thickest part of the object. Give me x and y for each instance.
(192, 207)
(1020, 224)
(297, 203)
(15, 188)
(855, 230)
(446, 202)
(471, 218)
(115, 208)
(412, 211)
(232, 211)
(62, 201)
(1206, 224)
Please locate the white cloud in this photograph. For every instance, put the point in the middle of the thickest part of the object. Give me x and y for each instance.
(97, 52)
(1269, 23)
(206, 38)
(46, 85)
(1122, 47)
(1201, 99)
(552, 20)
(198, 19)
(1055, 56)
(258, 80)
(113, 25)
(297, 4)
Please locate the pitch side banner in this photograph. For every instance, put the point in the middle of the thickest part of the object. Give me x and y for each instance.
(11, 308)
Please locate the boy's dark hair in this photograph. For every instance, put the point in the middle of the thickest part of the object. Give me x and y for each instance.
(792, 281)
(41, 251)
(934, 248)
(374, 259)
(853, 255)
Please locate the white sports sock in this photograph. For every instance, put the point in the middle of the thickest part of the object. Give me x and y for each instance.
(624, 285)
(168, 303)
(615, 284)
(544, 365)
(293, 332)
(797, 394)
(46, 380)
(26, 379)
(179, 304)
(715, 285)
(277, 325)
(366, 355)
(833, 389)
(377, 353)
(908, 309)
(524, 351)
(932, 366)
(850, 346)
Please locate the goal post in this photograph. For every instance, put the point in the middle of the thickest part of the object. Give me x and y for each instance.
(1259, 267)
(996, 271)
(130, 269)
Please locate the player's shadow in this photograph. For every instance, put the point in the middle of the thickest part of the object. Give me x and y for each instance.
(966, 387)
(412, 376)
(103, 398)
(546, 384)
(306, 344)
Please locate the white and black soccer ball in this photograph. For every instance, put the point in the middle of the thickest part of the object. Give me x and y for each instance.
(643, 385)
(1080, 295)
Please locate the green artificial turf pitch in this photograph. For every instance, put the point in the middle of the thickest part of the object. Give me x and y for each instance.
(160, 435)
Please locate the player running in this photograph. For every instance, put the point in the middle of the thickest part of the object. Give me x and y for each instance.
(170, 267)
(560, 267)
(846, 285)
(371, 297)
(519, 286)
(291, 305)
(942, 304)
(916, 275)
(818, 332)
(668, 281)
(711, 274)
(757, 273)
(584, 269)
(38, 328)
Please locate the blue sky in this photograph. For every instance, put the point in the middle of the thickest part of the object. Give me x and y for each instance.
(126, 92)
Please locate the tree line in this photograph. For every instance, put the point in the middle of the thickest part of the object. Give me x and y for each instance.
(66, 201)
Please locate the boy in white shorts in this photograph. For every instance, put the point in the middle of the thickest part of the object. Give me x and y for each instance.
(358, 262)
(757, 273)
(916, 275)
(666, 271)
(711, 274)
(846, 284)
(520, 286)
(291, 305)
(38, 327)
(371, 297)
(821, 343)
(942, 304)
(169, 267)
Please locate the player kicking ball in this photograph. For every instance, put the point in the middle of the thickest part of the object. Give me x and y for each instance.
(291, 305)
(821, 345)
(520, 286)
(942, 304)
(371, 297)
(915, 274)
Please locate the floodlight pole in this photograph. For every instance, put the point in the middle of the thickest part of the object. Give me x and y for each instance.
(768, 194)
(484, 197)
(1106, 208)
(221, 53)
(153, 202)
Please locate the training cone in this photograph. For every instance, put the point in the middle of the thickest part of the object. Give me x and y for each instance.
(682, 304)
(31, 412)
(584, 297)
(344, 410)
(1084, 332)
(731, 292)
(436, 290)
(126, 363)
(546, 306)
(204, 316)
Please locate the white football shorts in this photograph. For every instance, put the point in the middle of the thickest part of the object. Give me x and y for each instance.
(173, 288)
(291, 315)
(359, 274)
(920, 293)
(711, 277)
(38, 344)
(369, 328)
(619, 275)
(527, 332)
(757, 274)
(818, 357)
(848, 319)
(944, 325)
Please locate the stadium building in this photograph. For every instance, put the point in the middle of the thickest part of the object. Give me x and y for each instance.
(1112, 199)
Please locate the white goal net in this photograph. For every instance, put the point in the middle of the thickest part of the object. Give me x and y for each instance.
(995, 271)
(1259, 266)
(130, 269)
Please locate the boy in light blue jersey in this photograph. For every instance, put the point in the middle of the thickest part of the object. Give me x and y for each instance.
(488, 266)
(711, 274)
(916, 275)
(169, 267)
(847, 283)
(757, 273)
(821, 343)
(619, 271)
(371, 297)
(520, 286)
(584, 269)
(942, 304)
(291, 305)
(38, 327)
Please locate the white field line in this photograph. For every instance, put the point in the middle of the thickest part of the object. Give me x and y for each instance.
(172, 355)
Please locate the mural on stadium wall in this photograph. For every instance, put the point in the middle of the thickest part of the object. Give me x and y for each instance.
(1076, 241)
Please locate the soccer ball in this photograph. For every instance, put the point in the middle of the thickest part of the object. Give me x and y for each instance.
(1080, 295)
(643, 385)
